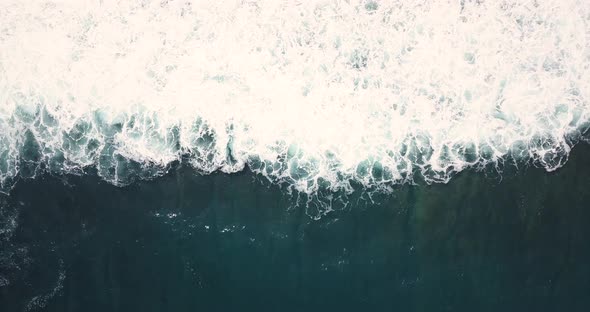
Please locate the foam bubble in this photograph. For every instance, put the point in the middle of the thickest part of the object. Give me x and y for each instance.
(313, 95)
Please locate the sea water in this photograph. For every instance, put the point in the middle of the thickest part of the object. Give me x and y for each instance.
(290, 155)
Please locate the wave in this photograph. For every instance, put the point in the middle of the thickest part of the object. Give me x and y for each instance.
(314, 95)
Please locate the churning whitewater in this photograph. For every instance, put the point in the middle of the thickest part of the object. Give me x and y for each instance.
(309, 94)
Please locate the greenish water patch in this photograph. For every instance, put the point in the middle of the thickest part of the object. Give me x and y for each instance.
(185, 242)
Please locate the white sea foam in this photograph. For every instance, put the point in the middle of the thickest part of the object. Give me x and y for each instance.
(311, 94)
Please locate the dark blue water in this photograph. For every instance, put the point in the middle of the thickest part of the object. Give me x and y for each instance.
(185, 242)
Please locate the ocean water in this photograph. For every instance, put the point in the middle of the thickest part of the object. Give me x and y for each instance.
(294, 156)
(234, 243)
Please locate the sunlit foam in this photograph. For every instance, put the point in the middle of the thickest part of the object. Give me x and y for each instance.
(309, 94)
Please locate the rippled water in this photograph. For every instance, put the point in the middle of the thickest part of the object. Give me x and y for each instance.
(231, 242)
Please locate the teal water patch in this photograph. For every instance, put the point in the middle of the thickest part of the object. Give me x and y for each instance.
(186, 242)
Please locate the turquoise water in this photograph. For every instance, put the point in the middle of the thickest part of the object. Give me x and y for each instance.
(185, 242)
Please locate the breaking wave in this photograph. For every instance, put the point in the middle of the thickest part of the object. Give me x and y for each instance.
(312, 95)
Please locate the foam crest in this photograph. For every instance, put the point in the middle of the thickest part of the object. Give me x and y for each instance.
(314, 95)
